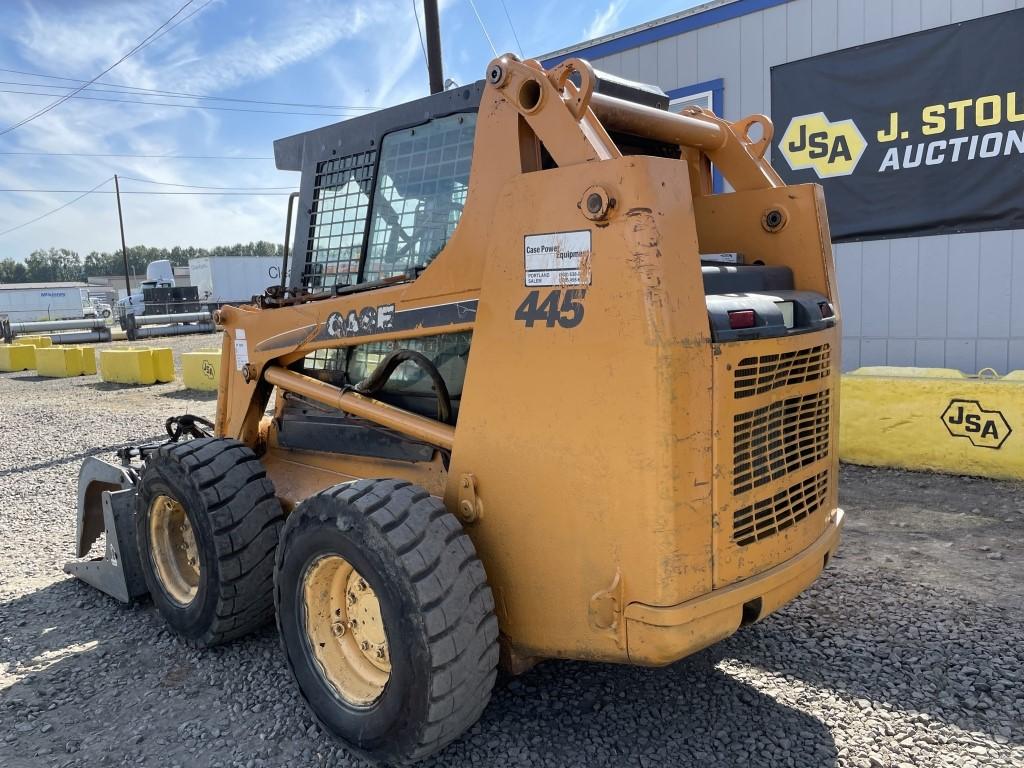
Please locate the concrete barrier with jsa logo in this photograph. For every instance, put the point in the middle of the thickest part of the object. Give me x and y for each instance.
(934, 418)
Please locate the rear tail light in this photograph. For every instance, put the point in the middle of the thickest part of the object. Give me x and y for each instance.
(826, 309)
(742, 318)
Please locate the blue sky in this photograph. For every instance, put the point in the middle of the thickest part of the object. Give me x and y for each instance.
(364, 53)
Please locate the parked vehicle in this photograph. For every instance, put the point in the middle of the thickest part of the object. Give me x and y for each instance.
(31, 302)
(617, 472)
(233, 279)
(96, 308)
(159, 274)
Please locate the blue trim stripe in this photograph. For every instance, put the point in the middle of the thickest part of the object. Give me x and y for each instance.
(706, 18)
(717, 88)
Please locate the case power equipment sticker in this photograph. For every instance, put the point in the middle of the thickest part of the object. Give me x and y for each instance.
(558, 258)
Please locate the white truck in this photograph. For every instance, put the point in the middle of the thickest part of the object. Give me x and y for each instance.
(31, 302)
(233, 279)
(159, 274)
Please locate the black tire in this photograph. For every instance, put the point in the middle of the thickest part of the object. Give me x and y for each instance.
(236, 521)
(436, 606)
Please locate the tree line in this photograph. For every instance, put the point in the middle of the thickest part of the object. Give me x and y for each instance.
(65, 265)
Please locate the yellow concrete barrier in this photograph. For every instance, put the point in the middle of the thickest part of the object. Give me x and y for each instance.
(63, 362)
(935, 419)
(34, 341)
(17, 357)
(138, 365)
(201, 370)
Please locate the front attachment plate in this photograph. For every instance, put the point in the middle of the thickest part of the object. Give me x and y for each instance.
(119, 572)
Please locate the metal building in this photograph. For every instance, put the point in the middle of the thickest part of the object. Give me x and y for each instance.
(954, 301)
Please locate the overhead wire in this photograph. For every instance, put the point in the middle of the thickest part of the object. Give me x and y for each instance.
(142, 192)
(133, 155)
(483, 27)
(419, 31)
(129, 89)
(58, 208)
(199, 190)
(178, 23)
(39, 113)
(198, 186)
(513, 26)
(79, 95)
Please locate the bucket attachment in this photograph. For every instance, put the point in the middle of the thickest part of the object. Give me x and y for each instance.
(106, 504)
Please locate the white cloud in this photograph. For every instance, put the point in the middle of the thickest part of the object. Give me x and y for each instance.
(80, 42)
(361, 52)
(605, 21)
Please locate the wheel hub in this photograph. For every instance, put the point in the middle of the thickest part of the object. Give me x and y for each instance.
(174, 553)
(345, 630)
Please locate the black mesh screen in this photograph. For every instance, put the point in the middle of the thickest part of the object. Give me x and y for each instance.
(421, 189)
(337, 226)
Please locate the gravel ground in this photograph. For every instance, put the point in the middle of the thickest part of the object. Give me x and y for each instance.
(909, 651)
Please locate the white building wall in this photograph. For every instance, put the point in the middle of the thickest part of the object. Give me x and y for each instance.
(952, 301)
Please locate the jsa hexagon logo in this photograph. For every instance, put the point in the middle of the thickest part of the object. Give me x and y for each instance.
(985, 429)
(814, 141)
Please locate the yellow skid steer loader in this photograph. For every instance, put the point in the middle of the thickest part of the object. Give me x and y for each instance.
(528, 389)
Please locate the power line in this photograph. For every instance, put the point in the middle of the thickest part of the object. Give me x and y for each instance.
(178, 23)
(58, 208)
(239, 193)
(224, 191)
(484, 28)
(419, 31)
(77, 95)
(61, 100)
(197, 186)
(129, 154)
(129, 89)
(513, 26)
(142, 192)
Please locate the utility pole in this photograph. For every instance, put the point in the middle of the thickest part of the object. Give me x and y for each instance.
(124, 248)
(432, 22)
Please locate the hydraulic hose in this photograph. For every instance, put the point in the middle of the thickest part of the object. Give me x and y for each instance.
(376, 381)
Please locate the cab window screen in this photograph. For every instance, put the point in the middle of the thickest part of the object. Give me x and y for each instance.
(420, 191)
(337, 227)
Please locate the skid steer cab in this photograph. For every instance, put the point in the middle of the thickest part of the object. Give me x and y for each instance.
(528, 389)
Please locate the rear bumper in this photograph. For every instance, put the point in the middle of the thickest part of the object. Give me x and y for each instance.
(658, 635)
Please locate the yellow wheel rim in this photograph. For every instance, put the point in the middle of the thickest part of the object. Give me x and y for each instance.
(172, 546)
(345, 630)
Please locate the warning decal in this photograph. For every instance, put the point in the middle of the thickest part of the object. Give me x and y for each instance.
(558, 258)
(241, 349)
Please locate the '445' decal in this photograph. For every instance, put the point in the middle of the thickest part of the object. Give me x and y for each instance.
(557, 306)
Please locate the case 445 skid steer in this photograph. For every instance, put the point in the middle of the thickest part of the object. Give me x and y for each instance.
(509, 404)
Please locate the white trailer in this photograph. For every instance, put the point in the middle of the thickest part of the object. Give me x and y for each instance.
(30, 302)
(233, 279)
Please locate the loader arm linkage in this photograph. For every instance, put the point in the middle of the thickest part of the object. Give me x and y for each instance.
(569, 121)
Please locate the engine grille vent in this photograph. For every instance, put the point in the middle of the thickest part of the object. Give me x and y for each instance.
(789, 506)
(757, 375)
(772, 441)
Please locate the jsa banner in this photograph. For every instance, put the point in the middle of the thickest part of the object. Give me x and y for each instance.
(918, 135)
